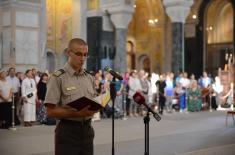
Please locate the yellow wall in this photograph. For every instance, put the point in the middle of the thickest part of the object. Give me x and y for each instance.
(59, 24)
(93, 4)
(148, 39)
(219, 24)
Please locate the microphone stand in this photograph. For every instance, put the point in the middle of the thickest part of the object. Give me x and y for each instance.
(210, 96)
(13, 114)
(124, 104)
(146, 133)
(146, 125)
(113, 94)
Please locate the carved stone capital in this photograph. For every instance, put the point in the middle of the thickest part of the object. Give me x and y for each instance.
(120, 14)
(178, 10)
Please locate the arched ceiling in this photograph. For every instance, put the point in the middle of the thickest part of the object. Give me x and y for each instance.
(219, 22)
(146, 10)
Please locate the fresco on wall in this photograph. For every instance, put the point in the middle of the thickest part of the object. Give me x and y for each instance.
(59, 24)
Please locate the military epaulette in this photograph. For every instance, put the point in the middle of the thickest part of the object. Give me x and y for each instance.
(89, 72)
(58, 72)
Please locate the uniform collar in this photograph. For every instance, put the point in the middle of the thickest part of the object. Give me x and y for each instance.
(71, 71)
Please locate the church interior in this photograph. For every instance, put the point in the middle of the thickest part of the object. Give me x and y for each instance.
(198, 37)
(172, 38)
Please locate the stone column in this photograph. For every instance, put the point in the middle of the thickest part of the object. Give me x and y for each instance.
(1, 38)
(120, 63)
(121, 14)
(178, 11)
(43, 36)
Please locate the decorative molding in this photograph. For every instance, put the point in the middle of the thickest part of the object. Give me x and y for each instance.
(14, 3)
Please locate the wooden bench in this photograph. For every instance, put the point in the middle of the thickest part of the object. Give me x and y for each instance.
(232, 113)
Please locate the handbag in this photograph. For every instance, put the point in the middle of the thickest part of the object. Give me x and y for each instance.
(30, 95)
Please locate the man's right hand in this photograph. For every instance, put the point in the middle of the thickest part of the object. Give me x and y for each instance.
(86, 112)
(68, 112)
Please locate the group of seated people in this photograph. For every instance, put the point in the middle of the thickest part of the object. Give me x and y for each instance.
(186, 94)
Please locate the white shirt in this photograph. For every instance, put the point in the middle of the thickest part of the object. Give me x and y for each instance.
(28, 86)
(154, 79)
(14, 82)
(206, 81)
(185, 82)
(218, 88)
(37, 78)
(5, 89)
(134, 85)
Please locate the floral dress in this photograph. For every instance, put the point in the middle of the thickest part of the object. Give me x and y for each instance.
(194, 100)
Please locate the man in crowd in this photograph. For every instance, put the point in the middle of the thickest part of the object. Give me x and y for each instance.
(15, 84)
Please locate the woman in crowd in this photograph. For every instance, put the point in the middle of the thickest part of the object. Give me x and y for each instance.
(134, 86)
(217, 89)
(161, 84)
(194, 97)
(41, 93)
(228, 97)
(29, 95)
(107, 111)
(5, 101)
(98, 88)
(179, 95)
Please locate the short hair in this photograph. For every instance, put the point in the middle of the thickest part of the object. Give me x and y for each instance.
(27, 71)
(11, 69)
(77, 41)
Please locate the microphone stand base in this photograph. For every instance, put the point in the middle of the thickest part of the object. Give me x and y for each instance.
(124, 118)
(13, 128)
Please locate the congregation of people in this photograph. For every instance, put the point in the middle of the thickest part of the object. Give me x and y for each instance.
(165, 93)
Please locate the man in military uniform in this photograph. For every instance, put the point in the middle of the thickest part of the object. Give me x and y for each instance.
(74, 134)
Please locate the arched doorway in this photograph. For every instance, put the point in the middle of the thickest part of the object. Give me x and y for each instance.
(130, 55)
(50, 66)
(144, 63)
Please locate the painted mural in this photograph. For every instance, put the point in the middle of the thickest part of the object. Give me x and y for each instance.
(59, 24)
(93, 4)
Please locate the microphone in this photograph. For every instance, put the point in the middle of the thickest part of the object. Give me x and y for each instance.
(113, 73)
(139, 99)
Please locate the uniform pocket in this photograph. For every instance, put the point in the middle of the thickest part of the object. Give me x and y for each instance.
(91, 93)
(69, 95)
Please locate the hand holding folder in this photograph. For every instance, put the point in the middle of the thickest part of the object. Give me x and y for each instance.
(96, 103)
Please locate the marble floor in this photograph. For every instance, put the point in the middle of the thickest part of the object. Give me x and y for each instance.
(200, 133)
